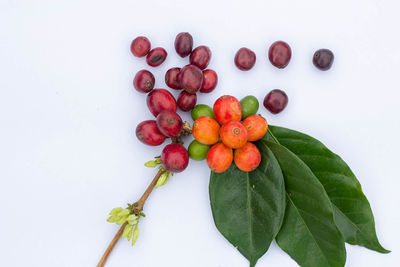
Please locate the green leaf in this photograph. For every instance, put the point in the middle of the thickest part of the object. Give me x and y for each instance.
(352, 211)
(308, 234)
(248, 207)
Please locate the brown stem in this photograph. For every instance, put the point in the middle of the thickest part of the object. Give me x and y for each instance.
(137, 208)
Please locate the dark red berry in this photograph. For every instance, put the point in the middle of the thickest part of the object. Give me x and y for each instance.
(200, 56)
(323, 59)
(275, 101)
(169, 123)
(140, 46)
(148, 133)
(156, 56)
(183, 44)
(210, 80)
(175, 158)
(172, 78)
(245, 59)
(159, 100)
(279, 54)
(191, 78)
(144, 81)
(186, 101)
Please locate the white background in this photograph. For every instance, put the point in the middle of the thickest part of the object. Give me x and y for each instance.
(68, 111)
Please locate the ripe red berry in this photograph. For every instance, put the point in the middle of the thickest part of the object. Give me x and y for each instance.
(140, 46)
(275, 101)
(148, 133)
(144, 81)
(172, 78)
(200, 56)
(169, 123)
(175, 158)
(210, 80)
(183, 44)
(156, 56)
(191, 78)
(323, 59)
(186, 101)
(279, 54)
(159, 100)
(245, 59)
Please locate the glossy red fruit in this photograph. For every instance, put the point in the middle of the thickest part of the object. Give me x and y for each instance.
(172, 78)
(191, 78)
(210, 80)
(156, 56)
(140, 46)
(175, 158)
(227, 108)
(245, 59)
(323, 59)
(148, 133)
(159, 100)
(200, 56)
(186, 101)
(275, 101)
(184, 44)
(279, 54)
(169, 123)
(144, 81)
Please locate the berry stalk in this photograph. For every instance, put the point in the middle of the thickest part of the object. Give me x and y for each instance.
(136, 208)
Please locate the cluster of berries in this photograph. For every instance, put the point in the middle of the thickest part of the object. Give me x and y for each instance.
(191, 78)
(227, 132)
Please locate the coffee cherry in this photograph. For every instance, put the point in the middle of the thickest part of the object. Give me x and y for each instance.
(245, 59)
(233, 134)
(197, 150)
(169, 123)
(210, 80)
(206, 130)
(191, 78)
(323, 59)
(275, 101)
(249, 105)
(144, 81)
(202, 110)
(148, 133)
(256, 127)
(219, 158)
(172, 78)
(183, 44)
(186, 101)
(247, 158)
(156, 56)
(227, 108)
(200, 56)
(279, 54)
(175, 158)
(140, 46)
(159, 100)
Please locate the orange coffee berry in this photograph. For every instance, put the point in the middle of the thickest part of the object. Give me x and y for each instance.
(256, 127)
(206, 130)
(233, 134)
(219, 158)
(247, 158)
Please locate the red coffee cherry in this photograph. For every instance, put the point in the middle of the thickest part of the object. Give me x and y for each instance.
(140, 46)
(156, 56)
